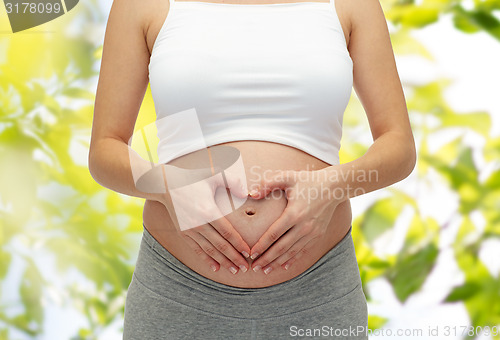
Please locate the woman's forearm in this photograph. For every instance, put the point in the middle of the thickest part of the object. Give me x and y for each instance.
(388, 160)
(114, 165)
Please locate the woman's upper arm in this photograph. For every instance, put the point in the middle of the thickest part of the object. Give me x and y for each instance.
(375, 77)
(124, 74)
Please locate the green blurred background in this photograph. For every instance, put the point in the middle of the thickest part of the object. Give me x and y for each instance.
(428, 247)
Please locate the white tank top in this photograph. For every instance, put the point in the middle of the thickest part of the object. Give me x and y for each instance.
(270, 72)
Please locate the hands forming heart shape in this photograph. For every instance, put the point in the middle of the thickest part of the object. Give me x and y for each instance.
(209, 233)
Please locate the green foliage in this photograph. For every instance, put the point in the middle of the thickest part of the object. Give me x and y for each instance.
(409, 14)
(49, 201)
(480, 292)
(479, 19)
(454, 162)
(380, 217)
(376, 322)
(411, 270)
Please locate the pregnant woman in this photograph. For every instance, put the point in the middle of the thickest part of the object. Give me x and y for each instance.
(270, 79)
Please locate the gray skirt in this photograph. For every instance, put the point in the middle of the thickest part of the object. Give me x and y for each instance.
(168, 300)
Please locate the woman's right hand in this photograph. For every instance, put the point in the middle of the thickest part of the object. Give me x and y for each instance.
(203, 226)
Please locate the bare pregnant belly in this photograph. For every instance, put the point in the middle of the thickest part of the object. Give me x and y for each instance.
(253, 218)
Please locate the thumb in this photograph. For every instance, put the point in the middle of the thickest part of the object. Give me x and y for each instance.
(237, 186)
(283, 179)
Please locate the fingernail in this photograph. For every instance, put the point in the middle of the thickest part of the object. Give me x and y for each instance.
(268, 270)
(233, 270)
(253, 192)
(214, 268)
(243, 268)
(245, 254)
(256, 268)
(287, 266)
(254, 256)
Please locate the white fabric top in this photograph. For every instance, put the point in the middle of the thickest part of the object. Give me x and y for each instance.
(270, 72)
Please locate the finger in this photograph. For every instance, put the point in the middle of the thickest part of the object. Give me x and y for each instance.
(274, 232)
(280, 247)
(213, 252)
(289, 254)
(224, 247)
(227, 231)
(282, 180)
(237, 185)
(304, 251)
(214, 265)
(213, 216)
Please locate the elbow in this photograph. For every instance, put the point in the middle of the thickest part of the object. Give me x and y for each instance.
(410, 157)
(93, 164)
(404, 154)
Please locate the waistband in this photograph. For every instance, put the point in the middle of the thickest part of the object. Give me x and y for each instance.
(331, 277)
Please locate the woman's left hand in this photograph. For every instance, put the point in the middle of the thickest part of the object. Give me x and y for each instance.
(312, 198)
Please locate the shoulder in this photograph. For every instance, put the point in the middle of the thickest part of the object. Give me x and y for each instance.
(354, 14)
(362, 13)
(366, 25)
(137, 13)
